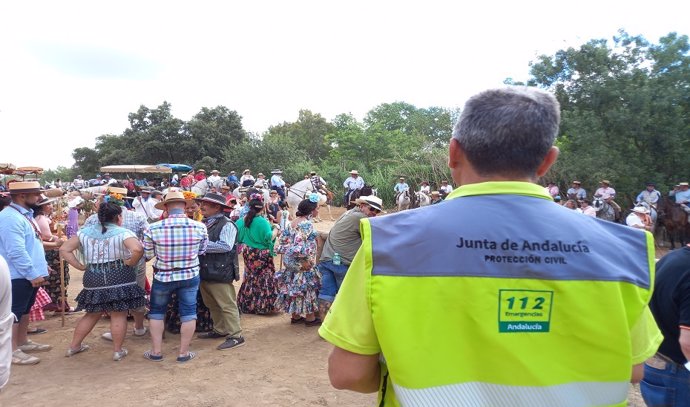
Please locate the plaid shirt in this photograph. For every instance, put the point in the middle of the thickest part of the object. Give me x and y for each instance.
(176, 242)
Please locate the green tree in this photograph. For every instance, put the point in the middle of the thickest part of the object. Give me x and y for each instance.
(308, 134)
(625, 108)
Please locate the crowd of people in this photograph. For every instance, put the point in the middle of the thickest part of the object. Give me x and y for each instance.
(193, 243)
(460, 303)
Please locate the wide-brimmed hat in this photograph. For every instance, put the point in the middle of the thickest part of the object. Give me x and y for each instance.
(45, 200)
(213, 198)
(354, 172)
(171, 196)
(215, 172)
(640, 209)
(435, 193)
(147, 190)
(261, 174)
(25, 187)
(232, 172)
(373, 201)
(605, 181)
(680, 184)
(117, 190)
(74, 202)
(276, 171)
(577, 182)
(201, 170)
(402, 178)
(246, 171)
(312, 173)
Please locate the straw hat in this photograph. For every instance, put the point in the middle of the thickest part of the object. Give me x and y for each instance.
(201, 170)
(74, 202)
(577, 182)
(117, 190)
(215, 172)
(435, 193)
(25, 187)
(683, 184)
(355, 172)
(172, 196)
(373, 201)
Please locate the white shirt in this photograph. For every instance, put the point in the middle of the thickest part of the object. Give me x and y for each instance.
(447, 189)
(634, 221)
(426, 189)
(606, 193)
(213, 179)
(146, 207)
(6, 322)
(590, 211)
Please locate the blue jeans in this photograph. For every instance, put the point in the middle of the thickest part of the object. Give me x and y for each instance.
(331, 279)
(186, 297)
(669, 387)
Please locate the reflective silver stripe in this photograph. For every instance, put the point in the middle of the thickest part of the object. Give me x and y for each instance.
(477, 394)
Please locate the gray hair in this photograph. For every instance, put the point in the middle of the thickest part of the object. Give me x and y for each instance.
(508, 131)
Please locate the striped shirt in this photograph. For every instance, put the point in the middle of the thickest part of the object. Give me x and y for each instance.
(176, 242)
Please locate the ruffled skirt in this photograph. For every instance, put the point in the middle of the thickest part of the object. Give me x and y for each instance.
(110, 286)
(298, 290)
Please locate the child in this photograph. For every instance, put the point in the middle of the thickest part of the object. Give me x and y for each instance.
(283, 215)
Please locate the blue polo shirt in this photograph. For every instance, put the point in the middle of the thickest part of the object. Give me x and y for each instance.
(20, 245)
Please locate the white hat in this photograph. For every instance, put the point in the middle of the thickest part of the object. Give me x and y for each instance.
(76, 201)
(373, 201)
(640, 209)
(354, 172)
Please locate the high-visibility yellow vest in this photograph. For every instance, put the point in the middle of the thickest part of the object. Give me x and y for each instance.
(499, 297)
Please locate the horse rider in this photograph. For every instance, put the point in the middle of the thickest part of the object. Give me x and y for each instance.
(683, 197)
(425, 188)
(318, 183)
(353, 183)
(400, 187)
(260, 181)
(232, 180)
(552, 189)
(445, 188)
(214, 178)
(436, 197)
(649, 195)
(200, 175)
(277, 183)
(607, 193)
(247, 180)
(576, 191)
(78, 182)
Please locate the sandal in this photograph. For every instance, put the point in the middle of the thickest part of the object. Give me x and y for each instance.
(31, 346)
(118, 356)
(153, 358)
(187, 358)
(296, 320)
(313, 322)
(71, 352)
(21, 358)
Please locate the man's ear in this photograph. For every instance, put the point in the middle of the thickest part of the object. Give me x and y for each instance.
(456, 155)
(549, 160)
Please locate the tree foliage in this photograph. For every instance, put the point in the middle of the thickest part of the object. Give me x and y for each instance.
(625, 106)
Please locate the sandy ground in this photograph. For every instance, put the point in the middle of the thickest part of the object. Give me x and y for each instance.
(280, 365)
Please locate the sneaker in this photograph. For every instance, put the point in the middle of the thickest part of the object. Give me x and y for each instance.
(140, 332)
(107, 336)
(31, 346)
(231, 343)
(21, 358)
(118, 356)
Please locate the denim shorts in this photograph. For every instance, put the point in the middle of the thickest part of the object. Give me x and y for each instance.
(331, 279)
(666, 386)
(23, 297)
(186, 297)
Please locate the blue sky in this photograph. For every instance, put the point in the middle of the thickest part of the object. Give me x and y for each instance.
(73, 70)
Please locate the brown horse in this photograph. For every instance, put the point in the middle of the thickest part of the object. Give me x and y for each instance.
(675, 221)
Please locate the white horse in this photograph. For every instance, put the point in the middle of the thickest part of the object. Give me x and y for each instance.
(300, 191)
(402, 200)
(422, 199)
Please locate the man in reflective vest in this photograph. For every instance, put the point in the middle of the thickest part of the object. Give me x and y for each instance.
(475, 306)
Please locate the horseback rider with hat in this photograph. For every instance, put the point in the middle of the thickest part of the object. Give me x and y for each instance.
(277, 183)
(318, 183)
(607, 193)
(400, 187)
(353, 183)
(576, 191)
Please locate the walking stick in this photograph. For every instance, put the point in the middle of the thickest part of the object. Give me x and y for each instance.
(62, 289)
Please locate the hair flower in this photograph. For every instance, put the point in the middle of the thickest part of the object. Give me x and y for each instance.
(257, 196)
(314, 197)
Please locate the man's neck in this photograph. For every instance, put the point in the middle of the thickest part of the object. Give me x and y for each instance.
(21, 203)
